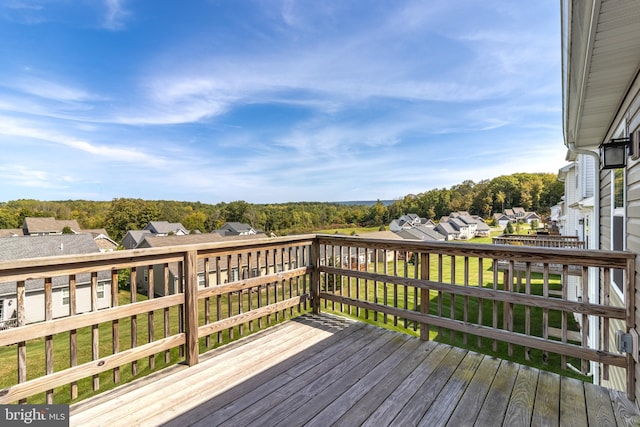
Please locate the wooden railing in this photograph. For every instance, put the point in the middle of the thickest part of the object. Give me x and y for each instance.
(543, 241)
(249, 284)
(426, 288)
(512, 300)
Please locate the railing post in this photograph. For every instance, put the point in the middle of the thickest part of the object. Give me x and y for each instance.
(424, 295)
(630, 298)
(314, 260)
(191, 306)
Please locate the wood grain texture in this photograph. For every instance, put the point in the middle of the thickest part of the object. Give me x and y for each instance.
(324, 370)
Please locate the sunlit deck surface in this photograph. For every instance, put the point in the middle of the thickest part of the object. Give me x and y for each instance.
(325, 370)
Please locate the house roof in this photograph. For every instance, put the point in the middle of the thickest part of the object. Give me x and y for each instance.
(151, 241)
(446, 229)
(411, 217)
(96, 232)
(237, 227)
(33, 225)
(42, 246)
(456, 223)
(137, 236)
(166, 227)
(387, 234)
(600, 64)
(11, 232)
(421, 234)
(481, 225)
(430, 233)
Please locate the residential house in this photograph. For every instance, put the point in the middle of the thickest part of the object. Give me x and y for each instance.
(48, 226)
(16, 248)
(448, 231)
(166, 228)
(530, 217)
(501, 219)
(579, 190)
(407, 221)
(557, 216)
(579, 208)
(102, 239)
(421, 232)
(467, 225)
(133, 238)
(482, 228)
(236, 229)
(515, 214)
(601, 101)
(464, 229)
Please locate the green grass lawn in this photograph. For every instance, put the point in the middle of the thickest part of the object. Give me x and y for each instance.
(348, 231)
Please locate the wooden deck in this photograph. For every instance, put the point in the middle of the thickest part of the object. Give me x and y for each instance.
(325, 370)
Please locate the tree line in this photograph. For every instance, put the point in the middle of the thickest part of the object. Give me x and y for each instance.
(532, 191)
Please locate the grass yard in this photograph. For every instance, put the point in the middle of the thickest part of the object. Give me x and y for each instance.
(349, 231)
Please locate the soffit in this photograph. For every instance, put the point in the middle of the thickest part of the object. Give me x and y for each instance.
(603, 61)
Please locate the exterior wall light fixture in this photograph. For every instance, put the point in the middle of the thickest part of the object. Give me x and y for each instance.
(613, 154)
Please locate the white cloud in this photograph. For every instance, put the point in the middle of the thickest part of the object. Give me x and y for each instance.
(25, 129)
(115, 16)
(27, 176)
(50, 90)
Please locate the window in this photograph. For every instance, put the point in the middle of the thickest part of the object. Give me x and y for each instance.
(618, 222)
(100, 290)
(65, 296)
(1, 309)
(618, 188)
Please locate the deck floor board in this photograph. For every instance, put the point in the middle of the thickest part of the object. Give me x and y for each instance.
(326, 370)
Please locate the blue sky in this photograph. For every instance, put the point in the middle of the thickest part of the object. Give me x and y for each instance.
(274, 101)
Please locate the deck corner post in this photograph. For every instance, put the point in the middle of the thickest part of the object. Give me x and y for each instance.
(424, 295)
(315, 276)
(630, 301)
(191, 307)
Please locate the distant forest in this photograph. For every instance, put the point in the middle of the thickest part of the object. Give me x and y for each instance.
(532, 191)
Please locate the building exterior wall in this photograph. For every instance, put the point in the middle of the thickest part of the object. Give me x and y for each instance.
(628, 123)
(35, 308)
(633, 212)
(617, 376)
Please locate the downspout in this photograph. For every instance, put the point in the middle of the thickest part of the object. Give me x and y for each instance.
(594, 231)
